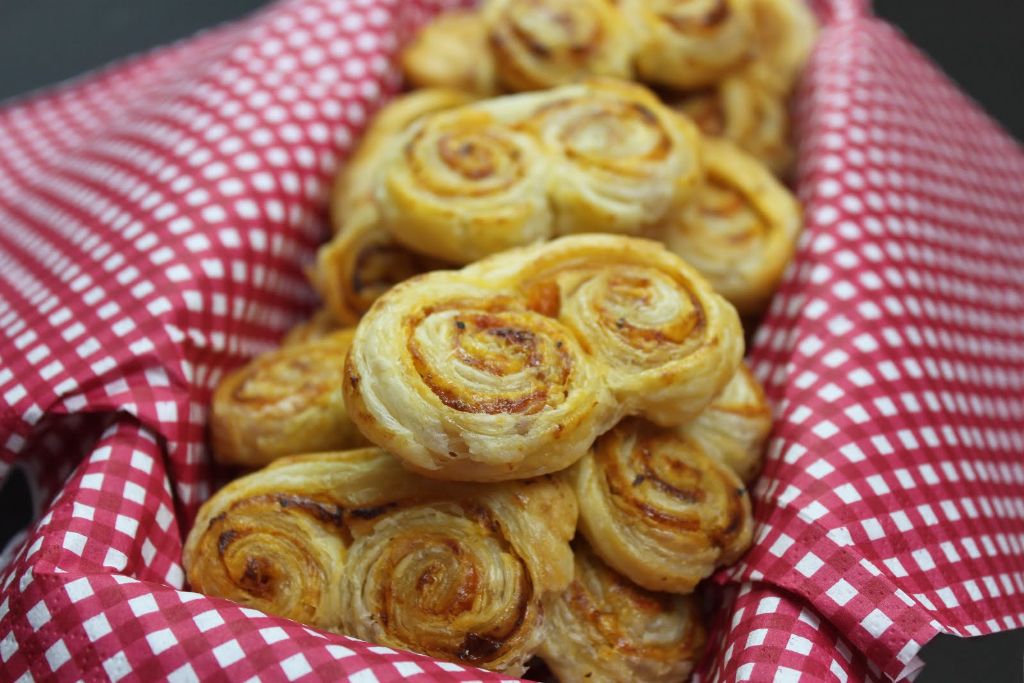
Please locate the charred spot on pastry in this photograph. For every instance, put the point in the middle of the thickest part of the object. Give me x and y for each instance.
(324, 512)
(225, 539)
(478, 648)
(371, 512)
(257, 578)
(459, 324)
(638, 479)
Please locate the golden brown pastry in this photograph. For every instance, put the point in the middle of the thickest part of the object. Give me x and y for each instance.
(666, 342)
(352, 543)
(620, 159)
(689, 44)
(362, 262)
(356, 181)
(606, 629)
(539, 44)
(747, 113)
(463, 381)
(451, 52)
(319, 325)
(734, 427)
(284, 402)
(784, 33)
(461, 184)
(600, 156)
(741, 229)
(511, 367)
(658, 509)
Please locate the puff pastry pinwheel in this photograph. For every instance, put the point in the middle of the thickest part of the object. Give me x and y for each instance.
(666, 341)
(539, 44)
(353, 543)
(465, 382)
(362, 262)
(741, 230)
(606, 629)
(658, 509)
(284, 402)
(689, 44)
(734, 427)
(356, 181)
(511, 367)
(600, 156)
(620, 158)
(461, 184)
(451, 52)
(784, 33)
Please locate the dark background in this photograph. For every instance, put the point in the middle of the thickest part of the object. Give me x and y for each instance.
(980, 43)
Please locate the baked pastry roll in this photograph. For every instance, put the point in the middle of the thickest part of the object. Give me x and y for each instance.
(689, 44)
(667, 343)
(784, 34)
(362, 262)
(451, 52)
(284, 402)
(606, 629)
(741, 229)
(620, 159)
(734, 427)
(511, 367)
(319, 325)
(352, 543)
(355, 182)
(658, 509)
(538, 44)
(463, 381)
(461, 185)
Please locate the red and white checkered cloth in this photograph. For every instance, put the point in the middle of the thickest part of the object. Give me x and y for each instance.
(154, 220)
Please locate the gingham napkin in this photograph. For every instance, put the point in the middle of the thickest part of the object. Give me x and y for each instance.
(154, 221)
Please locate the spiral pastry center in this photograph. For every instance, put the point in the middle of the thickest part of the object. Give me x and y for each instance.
(615, 136)
(554, 27)
(729, 216)
(272, 561)
(642, 312)
(475, 159)
(445, 586)
(492, 361)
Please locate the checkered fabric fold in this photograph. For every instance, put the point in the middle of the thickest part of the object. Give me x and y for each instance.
(154, 221)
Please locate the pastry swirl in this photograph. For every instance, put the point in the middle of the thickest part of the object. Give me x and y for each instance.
(784, 33)
(600, 156)
(462, 185)
(689, 44)
(734, 427)
(606, 629)
(451, 52)
(741, 230)
(668, 344)
(621, 159)
(658, 509)
(538, 44)
(354, 184)
(464, 382)
(747, 114)
(511, 367)
(352, 543)
(284, 402)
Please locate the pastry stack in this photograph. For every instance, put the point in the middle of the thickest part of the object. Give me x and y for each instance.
(521, 426)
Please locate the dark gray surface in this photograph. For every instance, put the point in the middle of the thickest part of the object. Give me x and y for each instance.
(979, 43)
